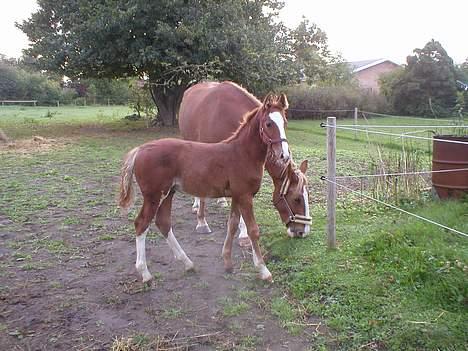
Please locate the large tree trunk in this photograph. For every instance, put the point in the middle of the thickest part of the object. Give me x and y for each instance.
(168, 102)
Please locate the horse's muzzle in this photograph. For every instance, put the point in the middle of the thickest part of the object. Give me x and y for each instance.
(293, 233)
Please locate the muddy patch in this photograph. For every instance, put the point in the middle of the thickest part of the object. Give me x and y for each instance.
(68, 281)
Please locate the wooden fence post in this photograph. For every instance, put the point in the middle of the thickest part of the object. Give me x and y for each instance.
(355, 121)
(331, 187)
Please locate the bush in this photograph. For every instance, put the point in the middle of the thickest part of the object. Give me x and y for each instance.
(319, 102)
(141, 101)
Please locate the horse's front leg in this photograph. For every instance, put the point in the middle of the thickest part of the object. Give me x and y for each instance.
(246, 209)
(202, 226)
(164, 223)
(233, 223)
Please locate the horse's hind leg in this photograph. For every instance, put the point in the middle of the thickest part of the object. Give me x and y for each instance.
(202, 226)
(196, 204)
(244, 240)
(164, 223)
(144, 218)
(233, 223)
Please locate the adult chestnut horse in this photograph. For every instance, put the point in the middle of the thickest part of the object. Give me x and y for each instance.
(211, 112)
(232, 168)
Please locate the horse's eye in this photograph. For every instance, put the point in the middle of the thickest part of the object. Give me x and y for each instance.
(268, 124)
(298, 200)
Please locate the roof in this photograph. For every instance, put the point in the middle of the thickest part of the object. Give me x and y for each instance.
(357, 66)
(462, 86)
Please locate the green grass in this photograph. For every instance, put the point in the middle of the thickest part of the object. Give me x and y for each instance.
(397, 281)
(23, 122)
(287, 314)
(394, 281)
(231, 308)
(172, 313)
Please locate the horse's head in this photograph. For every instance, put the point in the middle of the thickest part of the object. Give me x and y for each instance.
(291, 199)
(272, 127)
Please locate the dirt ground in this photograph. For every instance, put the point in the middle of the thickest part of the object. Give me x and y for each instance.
(68, 282)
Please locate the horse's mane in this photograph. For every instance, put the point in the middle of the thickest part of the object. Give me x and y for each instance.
(245, 121)
(247, 94)
(293, 169)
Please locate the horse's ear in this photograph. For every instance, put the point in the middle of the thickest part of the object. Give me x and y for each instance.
(304, 165)
(267, 100)
(284, 101)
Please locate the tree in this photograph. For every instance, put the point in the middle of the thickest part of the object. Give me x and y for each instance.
(170, 43)
(427, 85)
(462, 95)
(311, 56)
(461, 72)
(464, 66)
(17, 83)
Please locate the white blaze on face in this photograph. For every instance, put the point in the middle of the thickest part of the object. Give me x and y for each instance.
(278, 119)
(306, 209)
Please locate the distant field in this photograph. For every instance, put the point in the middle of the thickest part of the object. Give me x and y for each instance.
(393, 284)
(19, 122)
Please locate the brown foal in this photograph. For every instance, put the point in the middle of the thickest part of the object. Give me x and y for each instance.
(232, 168)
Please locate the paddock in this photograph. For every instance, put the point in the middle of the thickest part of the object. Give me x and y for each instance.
(67, 278)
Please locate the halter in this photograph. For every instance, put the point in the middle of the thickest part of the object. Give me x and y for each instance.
(293, 218)
(267, 140)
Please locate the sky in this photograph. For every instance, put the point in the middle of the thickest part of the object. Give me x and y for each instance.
(358, 30)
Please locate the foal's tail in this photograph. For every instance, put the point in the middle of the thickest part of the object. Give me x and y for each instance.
(126, 181)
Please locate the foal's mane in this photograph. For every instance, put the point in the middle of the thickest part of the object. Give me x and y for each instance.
(245, 121)
(294, 170)
(273, 101)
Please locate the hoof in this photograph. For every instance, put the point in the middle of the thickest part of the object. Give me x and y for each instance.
(190, 267)
(229, 269)
(245, 242)
(203, 229)
(264, 274)
(146, 277)
(266, 278)
(194, 209)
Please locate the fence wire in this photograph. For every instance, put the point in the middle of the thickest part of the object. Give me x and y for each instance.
(405, 117)
(399, 127)
(393, 134)
(395, 207)
(402, 173)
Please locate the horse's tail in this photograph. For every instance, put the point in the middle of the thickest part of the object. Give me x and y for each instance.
(127, 194)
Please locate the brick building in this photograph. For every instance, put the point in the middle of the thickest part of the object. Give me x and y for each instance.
(368, 72)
